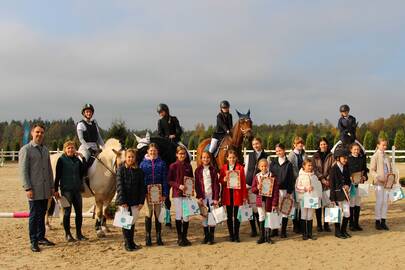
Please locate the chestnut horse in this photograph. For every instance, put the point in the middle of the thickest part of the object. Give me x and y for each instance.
(241, 131)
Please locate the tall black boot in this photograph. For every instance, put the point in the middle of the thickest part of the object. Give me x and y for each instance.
(356, 218)
(351, 220)
(236, 230)
(344, 227)
(252, 222)
(326, 227)
(284, 223)
(131, 235)
(304, 229)
(179, 232)
(158, 226)
(378, 225)
(66, 226)
(229, 223)
(338, 233)
(127, 240)
(206, 235)
(184, 234)
(211, 240)
(318, 213)
(268, 236)
(148, 230)
(309, 229)
(262, 238)
(384, 225)
(296, 222)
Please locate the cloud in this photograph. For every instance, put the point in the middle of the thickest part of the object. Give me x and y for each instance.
(283, 61)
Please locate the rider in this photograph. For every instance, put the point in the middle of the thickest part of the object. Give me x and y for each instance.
(347, 125)
(168, 126)
(88, 133)
(224, 126)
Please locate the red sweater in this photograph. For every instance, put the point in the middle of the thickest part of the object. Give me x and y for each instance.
(270, 201)
(177, 172)
(238, 194)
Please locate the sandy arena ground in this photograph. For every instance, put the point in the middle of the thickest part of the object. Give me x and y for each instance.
(369, 249)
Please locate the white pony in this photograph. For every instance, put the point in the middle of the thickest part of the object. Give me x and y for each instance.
(102, 180)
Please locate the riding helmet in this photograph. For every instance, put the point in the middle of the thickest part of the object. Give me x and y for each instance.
(163, 108)
(344, 108)
(340, 153)
(87, 107)
(224, 104)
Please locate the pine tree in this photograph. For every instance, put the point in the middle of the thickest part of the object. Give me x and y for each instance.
(368, 141)
(270, 142)
(310, 142)
(383, 135)
(399, 141)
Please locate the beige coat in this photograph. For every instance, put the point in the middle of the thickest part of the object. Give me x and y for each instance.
(377, 167)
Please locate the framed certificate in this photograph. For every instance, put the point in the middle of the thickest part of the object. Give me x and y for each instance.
(266, 186)
(233, 179)
(188, 186)
(347, 196)
(155, 194)
(390, 180)
(286, 205)
(356, 177)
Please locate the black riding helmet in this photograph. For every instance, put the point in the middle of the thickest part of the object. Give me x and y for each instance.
(87, 107)
(224, 104)
(163, 108)
(344, 108)
(340, 153)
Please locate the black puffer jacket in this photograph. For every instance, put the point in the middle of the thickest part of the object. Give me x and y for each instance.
(130, 186)
(338, 180)
(284, 174)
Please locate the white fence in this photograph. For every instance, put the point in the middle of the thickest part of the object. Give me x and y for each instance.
(399, 154)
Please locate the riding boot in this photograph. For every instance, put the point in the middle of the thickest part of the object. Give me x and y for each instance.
(268, 236)
(66, 226)
(127, 240)
(131, 235)
(229, 223)
(262, 238)
(236, 230)
(309, 229)
(179, 232)
(185, 230)
(384, 225)
(356, 218)
(326, 227)
(378, 225)
(211, 240)
(338, 233)
(318, 213)
(253, 232)
(304, 229)
(284, 223)
(344, 227)
(158, 227)
(148, 230)
(206, 235)
(351, 220)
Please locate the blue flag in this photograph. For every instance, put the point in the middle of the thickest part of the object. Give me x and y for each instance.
(26, 136)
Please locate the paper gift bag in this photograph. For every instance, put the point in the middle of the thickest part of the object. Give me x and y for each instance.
(396, 194)
(190, 207)
(292, 213)
(167, 216)
(273, 220)
(219, 214)
(353, 191)
(162, 214)
(56, 210)
(245, 213)
(309, 201)
(123, 219)
(325, 197)
(211, 219)
(363, 190)
(332, 215)
(346, 208)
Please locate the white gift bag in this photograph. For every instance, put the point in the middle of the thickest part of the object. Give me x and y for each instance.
(325, 197)
(219, 214)
(245, 213)
(363, 190)
(190, 207)
(346, 208)
(332, 215)
(396, 194)
(308, 201)
(273, 220)
(123, 219)
(56, 210)
(211, 219)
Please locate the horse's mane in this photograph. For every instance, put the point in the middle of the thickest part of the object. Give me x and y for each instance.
(113, 143)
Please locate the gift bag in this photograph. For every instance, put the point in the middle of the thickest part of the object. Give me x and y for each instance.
(190, 207)
(167, 216)
(56, 209)
(292, 213)
(346, 208)
(123, 219)
(273, 220)
(162, 214)
(219, 214)
(332, 215)
(309, 201)
(396, 194)
(211, 219)
(245, 213)
(353, 191)
(364, 190)
(326, 197)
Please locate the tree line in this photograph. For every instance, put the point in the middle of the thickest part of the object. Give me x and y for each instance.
(58, 131)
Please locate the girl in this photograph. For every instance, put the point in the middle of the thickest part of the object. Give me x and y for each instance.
(357, 163)
(207, 189)
(265, 204)
(340, 182)
(130, 194)
(168, 126)
(322, 162)
(380, 167)
(297, 157)
(307, 182)
(251, 170)
(232, 197)
(177, 171)
(283, 170)
(69, 175)
(224, 125)
(155, 171)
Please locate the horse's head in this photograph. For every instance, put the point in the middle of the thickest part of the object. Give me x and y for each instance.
(245, 124)
(142, 142)
(113, 154)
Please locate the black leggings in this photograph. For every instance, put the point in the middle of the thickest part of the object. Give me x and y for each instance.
(232, 215)
(75, 199)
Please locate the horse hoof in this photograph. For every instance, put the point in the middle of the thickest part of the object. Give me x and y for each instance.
(100, 234)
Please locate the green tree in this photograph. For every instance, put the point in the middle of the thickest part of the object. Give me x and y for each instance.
(16, 146)
(368, 141)
(54, 145)
(129, 141)
(383, 135)
(310, 142)
(399, 141)
(337, 138)
(192, 143)
(270, 142)
(118, 130)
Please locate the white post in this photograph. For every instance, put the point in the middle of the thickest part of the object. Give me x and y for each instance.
(13, 156)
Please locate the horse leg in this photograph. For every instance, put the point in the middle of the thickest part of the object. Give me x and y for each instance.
(99, 219)
(104, 227)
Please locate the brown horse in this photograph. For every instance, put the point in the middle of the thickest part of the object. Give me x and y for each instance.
(242, 130)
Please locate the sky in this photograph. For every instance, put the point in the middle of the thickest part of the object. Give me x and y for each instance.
(283, 60)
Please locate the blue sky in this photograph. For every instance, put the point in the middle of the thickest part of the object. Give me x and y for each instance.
(285, 60)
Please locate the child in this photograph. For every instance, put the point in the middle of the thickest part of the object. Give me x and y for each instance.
(307, 182)
(347, 126)
(207, 189)
(88, 133)
(130, 194)
(250, 171)
(357, 163)
(177, 171)
(224, 126)
(340, 180)
(283, 170)
(232, 197)
(155, 171)
(265, 204)
(168, 126)
(297, 157)
(69, 174)
(380, 167)
(322, 162)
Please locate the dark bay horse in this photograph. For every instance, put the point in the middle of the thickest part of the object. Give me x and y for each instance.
(242, 130)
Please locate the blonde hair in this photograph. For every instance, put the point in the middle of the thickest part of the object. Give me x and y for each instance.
(134, 152)
(262, 160)
(306, 161)
(298, 140)
(67, 144)
(180, 148)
